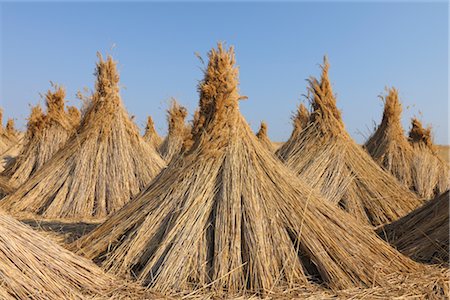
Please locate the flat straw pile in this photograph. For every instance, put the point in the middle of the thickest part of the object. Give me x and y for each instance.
(299, 121)
(99, 169)
(263, 138)
(327, 158)
(150, 135)
(431, 175)
(173, 143)
(45, 135)
(228, 217)
(32, 266)
(424, 233)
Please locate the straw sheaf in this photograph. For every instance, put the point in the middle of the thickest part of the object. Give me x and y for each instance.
(263, 138)
(326, 157)
(8, 136)
(45, 135)
(424, 233)
(300, 121)
(74, 116)
(229, 218)
(177, 133)
(388, 145)
(32, 266)
(150, 135)
(100, 167)
(10, 129)
(431, 175)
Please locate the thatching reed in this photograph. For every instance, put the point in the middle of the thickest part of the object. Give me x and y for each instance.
(326, 157)
(100, 167)
(388, 145)
(46, 134)
(10, 128)
(229, 217)
(423, 234)
(263, 138)
(430, 174)
(33, 267)
(151, 136)
(299, 121)
(177, 132)
(8, 135)
(6, 187)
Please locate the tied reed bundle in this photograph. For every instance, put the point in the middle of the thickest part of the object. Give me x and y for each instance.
(100, 167)
(229, 218)
(300, 121)
(8, 135)
(150, 135)
(46, 134)
(430, 174)
(423, 234)
(327, 158)
(178, 132)
(263, 138)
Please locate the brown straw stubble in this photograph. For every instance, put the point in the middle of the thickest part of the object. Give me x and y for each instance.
(229, 218)
(99, 169)
(326, 157)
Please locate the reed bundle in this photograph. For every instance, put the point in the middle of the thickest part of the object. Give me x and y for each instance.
(8, 136)
(46, 134)
(100, 167)
(423, 234)
(229, 218)
(33, 267)
(327, 158)
(300, 121)
(150, 135)
(263, 138)
(177, 133)
(430, 174)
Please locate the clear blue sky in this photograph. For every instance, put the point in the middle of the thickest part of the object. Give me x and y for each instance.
(278, 46)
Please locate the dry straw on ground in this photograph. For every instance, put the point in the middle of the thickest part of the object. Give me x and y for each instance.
(229, 218)
(430, 174)
(150, 135)
(263, 138)
(46, 134)
(328, 159)
(33, 267)
(424, 233)
(177, 133)
(300, 121)
(99, 169)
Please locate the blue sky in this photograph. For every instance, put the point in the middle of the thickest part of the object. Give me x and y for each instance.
(278, 46)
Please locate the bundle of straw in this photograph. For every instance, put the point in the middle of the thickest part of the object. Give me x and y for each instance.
(388, 145)
(8, 135)
(263, 138)
(100, 167)
(423, 234)
(430, 174)
(151, 136)
(228, 217)
(33, 267)
(300, 121)
(45, 135)
(177, 133)
(327, 158)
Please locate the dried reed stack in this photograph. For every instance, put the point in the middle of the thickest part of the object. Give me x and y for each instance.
(173, 143)
(74, 116)
(228, 217)
(327, 158)
(45, 135)
(263, 138)
(101, 166)
(150, 135)
(10, 128)
(430, 174)
(388, 145)
(33, 267)
(6, 187)
(299, 121)
(8, 135)
(423, 234)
